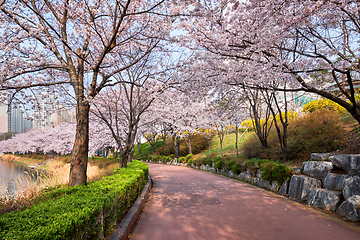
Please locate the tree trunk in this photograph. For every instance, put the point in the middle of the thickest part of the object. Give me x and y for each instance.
(114, 153)
(153, 147)
(139, 148)
(221, 151)
(174, 141)
(164, 146)
(79, 153)
(236, 141)
(189, 145)
(123, 159)
(131, 155)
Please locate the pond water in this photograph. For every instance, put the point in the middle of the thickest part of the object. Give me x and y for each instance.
(14, 176)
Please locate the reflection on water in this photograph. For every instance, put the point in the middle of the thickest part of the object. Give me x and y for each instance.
(14, 176)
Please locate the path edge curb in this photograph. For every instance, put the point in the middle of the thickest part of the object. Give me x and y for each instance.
(126, 225)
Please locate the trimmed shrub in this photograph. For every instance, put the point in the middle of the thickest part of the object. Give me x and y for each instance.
(276, 172)
(209, 162)
(236, 168)
(189, 156)
(219, 164)
(181, 159)
(230, 164)
(217, 158)
(190, 161)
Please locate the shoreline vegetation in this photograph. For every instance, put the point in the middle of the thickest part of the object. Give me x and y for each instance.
(81, 212)
(56, 171)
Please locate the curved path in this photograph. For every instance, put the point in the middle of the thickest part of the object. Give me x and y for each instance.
(190, 204)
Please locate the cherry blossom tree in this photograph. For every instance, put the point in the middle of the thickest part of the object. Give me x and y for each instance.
(311, 44)
(78, 44)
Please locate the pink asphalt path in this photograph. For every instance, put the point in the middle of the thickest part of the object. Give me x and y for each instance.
(191, 204)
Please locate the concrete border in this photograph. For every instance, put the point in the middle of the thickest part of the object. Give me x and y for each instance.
(126, 225)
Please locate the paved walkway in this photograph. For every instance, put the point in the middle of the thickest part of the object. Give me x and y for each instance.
(190, 204)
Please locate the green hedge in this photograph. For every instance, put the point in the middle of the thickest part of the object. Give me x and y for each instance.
(81, 212)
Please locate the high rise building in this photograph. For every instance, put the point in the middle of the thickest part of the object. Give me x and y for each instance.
(3, 118)
(17, 120)
(43, 111)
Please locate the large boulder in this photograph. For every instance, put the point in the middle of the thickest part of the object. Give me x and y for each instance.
(258, 173)
(301, 186)
(274, 186)
(350, 163)
(264, 183)
(350, 208)
(334, 181)
(253, 180)
(351, 186)
(325, 199)
(317, 169)
(243, 176)
(320, 156)
(284, 188)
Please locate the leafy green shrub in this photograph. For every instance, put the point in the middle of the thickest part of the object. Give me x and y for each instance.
(75, 212)
(172, 156)
(219, 164)
(209, 162)
(276, 172)
(181, 159)
(230, 164)
(203, 161)
(217, 158)
(189, 156)
(262, 163)
(251, 163)
(190, 161)
(236, 168)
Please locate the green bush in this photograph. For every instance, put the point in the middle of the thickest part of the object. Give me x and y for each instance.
(75, 212)
(251, 163)
(189, 156)
(230, 164)
(190, 161)
(181, 159)
(262, 163)
(198, 162)
(276, 172)
(219, 164)
(209, 162)
(236, 168)
(217, 158)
